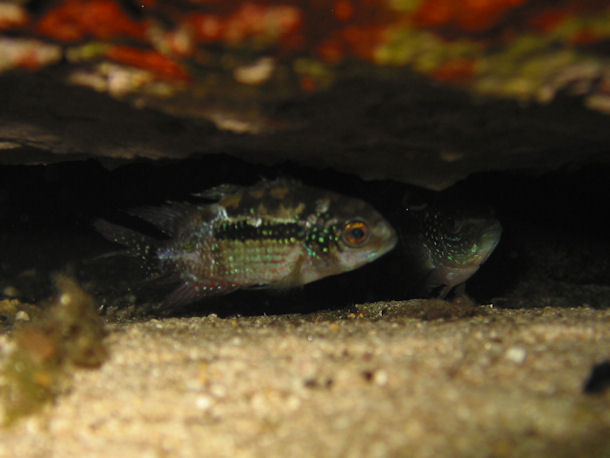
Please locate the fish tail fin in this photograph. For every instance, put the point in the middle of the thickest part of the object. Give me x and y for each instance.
(138, 245)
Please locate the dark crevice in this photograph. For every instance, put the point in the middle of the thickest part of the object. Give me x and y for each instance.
(553, 252)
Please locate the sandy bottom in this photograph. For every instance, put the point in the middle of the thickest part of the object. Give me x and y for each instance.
(373, 382)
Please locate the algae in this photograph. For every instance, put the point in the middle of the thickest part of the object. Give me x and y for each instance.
(68, 334)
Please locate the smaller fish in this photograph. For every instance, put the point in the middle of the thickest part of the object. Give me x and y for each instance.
(448, 243)
(276, 234)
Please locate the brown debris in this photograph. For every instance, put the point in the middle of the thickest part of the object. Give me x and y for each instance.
(69, 333)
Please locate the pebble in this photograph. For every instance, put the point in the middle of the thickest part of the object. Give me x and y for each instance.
(381, 377)
(22, 315)
(203, 402)
(516, 354)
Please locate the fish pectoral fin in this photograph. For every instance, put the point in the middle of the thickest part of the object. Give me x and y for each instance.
(293, 278)
(434, 285)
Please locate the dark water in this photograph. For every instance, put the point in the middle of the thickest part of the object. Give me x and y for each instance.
(554, 250)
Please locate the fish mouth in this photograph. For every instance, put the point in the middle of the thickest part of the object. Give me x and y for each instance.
(387, 235)
(482, 247)
(491, 237)
(489, 241)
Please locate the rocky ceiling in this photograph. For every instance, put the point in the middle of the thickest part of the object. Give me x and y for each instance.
(421, 91)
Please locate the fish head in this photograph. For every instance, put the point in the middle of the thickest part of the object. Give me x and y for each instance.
(361, 233)
(457, 248)
(447, 239)
(461, 241)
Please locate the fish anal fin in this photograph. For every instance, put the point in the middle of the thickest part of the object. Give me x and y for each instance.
(192, 291)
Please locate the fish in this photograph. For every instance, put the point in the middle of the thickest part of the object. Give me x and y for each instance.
(275, 234)
(447, 243)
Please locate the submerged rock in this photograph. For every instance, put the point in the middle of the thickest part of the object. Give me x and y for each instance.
(423, 92)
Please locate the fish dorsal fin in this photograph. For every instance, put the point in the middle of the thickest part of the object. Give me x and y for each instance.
(219, 192)
(228, 189)
(281, 181)
(165, 218)
(123, 235)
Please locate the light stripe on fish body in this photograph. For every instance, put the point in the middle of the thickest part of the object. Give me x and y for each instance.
(275, 234)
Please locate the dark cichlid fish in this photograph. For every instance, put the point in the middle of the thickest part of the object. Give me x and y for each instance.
(448, 242)
(276, 234)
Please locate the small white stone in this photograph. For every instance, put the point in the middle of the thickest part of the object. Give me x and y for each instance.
(203, 402)
(218, 391)
(22, 315)
(381, 377)
(516, 354)
(256, 73)
(293, 403)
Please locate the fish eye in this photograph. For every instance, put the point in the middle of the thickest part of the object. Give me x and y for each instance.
(356, 233)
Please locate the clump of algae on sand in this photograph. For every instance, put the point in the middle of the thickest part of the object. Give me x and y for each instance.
(69, 334)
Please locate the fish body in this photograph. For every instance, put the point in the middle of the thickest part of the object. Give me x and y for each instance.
(448, 243)
(275, 234)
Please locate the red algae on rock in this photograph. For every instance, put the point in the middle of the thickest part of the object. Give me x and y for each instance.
(468, 15)
(150, 60)
(75, 20)
(522, 49)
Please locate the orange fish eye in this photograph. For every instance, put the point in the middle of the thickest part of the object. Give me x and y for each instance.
(356, 233)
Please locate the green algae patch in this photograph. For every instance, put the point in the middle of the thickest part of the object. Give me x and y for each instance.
(69, 334)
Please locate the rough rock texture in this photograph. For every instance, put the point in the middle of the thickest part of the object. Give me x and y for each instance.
(424, 92)
(375, 382)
